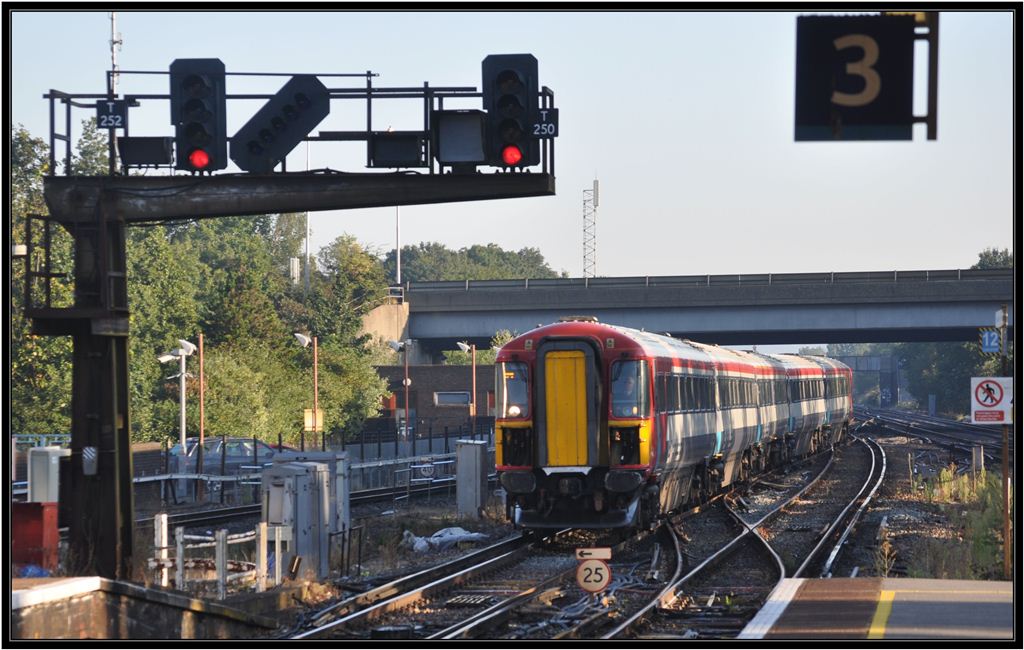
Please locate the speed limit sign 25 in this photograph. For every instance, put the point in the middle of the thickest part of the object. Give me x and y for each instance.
(593, 575)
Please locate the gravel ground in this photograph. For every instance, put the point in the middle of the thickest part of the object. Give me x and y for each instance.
(909, 519)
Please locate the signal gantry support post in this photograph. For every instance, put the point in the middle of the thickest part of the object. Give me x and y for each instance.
(96, 495)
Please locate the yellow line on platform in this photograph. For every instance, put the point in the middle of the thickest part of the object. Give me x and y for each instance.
(877, 630)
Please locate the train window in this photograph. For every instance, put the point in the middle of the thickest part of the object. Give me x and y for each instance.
(511, 390)
(629, 389)
(660, 392)
(690, 394)
(676, 394)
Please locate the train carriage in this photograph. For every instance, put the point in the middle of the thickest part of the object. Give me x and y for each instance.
(599, 426)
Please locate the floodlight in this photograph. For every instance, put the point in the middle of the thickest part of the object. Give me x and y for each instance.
(304, 340)
(396, 346)
(166, 357)
(186, 347)
(464, 347)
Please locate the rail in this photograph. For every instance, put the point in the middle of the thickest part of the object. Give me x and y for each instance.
(827, 570)
(409, 588)
(671, 592)
(877, 460)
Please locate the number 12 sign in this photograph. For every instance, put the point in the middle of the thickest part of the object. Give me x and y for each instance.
(854, 77)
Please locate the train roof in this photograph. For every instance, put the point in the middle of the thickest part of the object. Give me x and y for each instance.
(657, 345)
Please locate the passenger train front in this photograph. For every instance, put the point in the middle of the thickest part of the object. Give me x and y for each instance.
(599, 426)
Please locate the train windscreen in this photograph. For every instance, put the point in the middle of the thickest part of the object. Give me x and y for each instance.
(511, 390)
(629, 389)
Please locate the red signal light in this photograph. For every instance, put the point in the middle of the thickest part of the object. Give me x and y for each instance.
(199, 159)
(511, 154)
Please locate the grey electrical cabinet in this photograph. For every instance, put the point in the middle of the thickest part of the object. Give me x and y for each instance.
(297, 495)
(470, 477)
(43, 473)
(338, 467)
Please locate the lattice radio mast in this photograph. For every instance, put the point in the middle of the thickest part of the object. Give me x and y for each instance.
(590, 232)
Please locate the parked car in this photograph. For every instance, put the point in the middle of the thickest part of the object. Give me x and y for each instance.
(239, 453)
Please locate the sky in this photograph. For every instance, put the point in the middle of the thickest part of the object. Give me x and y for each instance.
(685, 118)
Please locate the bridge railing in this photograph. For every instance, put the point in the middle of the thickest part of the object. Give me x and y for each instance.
(666, 281)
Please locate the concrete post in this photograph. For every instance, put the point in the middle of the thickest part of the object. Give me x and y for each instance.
(221, 561)
(470, 477)
(179, 574)
(978, 458)
(160, 542)
(261, 556)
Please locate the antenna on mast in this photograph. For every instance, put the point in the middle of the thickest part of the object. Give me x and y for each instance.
(115, 46)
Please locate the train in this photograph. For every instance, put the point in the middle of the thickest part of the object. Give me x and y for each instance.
(602, 426)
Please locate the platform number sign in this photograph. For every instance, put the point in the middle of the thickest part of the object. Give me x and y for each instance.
(593, 575)
(854, 77)
(111, 114)
(990, 340)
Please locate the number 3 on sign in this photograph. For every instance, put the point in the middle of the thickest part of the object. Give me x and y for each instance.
(593, 575)
(861, 68)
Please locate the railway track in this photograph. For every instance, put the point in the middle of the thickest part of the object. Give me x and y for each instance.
(716, 599)
(956, 436)
(435, 604)
(530, 592)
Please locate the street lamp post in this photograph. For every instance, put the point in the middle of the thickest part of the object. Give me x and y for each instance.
(180, 353)
(471, 348)
(200, 487)
(304, 341)
(403, 347)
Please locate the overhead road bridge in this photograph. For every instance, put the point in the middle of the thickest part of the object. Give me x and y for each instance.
(870, 306)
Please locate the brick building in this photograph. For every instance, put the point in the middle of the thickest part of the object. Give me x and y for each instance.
(439, 398)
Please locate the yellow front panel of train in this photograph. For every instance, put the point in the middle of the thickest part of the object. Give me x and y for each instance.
(565, 377)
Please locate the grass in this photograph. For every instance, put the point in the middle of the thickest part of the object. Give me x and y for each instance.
(973, 549)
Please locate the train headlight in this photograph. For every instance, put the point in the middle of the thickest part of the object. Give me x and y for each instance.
(514, 411)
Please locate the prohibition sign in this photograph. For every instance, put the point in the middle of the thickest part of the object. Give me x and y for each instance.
(988, 393)
(593, 575)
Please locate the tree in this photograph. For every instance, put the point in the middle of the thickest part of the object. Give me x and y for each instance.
(164, 306)
(225, 277)
(432, 261)
(40, 367)
(92, 155)
(994, 258)
(815, 350)
(350, 283)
